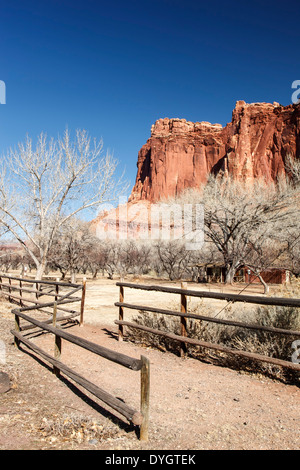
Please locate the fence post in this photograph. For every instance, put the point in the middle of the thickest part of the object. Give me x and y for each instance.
(145, 398)
(183, 309)
(121, 313)
(82, 301)
(56, 290)
(21, 293)
(37, 287)
(17, 328)
(54, 315)
(57, 344)
(9, 288)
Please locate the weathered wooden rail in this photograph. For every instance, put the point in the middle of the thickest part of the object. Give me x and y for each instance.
(183, 339)
(138, 418)
(15, 288)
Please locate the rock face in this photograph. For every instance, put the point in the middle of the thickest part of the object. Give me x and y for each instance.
(181, 154)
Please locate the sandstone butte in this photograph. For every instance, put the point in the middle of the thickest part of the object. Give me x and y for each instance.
(181, 154)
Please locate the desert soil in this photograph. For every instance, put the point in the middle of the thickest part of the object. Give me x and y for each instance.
(193, 405)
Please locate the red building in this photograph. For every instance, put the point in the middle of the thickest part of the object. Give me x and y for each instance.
(270, 276)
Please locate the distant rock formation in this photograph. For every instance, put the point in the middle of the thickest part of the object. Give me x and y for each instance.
(181, 154)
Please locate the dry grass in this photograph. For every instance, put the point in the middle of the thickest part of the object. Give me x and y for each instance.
(78, 428)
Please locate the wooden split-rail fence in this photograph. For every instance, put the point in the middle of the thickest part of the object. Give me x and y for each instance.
(42, 294)
(183, 313)
(59, 300)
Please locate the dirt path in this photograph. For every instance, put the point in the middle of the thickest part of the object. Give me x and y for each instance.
(193, 405)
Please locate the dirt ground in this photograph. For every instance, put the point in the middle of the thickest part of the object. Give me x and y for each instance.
(193, 405)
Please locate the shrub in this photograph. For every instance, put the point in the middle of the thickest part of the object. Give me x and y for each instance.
(274, 345)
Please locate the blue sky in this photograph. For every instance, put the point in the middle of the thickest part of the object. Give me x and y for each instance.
(114, 68)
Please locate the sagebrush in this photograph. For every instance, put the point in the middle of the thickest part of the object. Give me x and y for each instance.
(269, 344)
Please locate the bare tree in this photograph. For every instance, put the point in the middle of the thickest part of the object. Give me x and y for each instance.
(43, 187)
(292, 239)
(240, 219)
(293, 251)
(134, 257)
(111, 253)
(70, 248)
(292, 166)
(175, 258)
(95, 257)
(123, 257)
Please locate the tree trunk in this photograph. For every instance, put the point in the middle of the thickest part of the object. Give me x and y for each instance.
(73, 276)
(230, 272)
(40, 271)
(266, 287)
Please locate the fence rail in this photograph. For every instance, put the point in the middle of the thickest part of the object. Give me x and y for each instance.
(183, 339)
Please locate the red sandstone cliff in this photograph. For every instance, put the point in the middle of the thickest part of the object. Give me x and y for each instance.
(181, 154)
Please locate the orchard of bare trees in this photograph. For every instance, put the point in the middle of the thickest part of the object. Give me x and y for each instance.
(254, 225)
